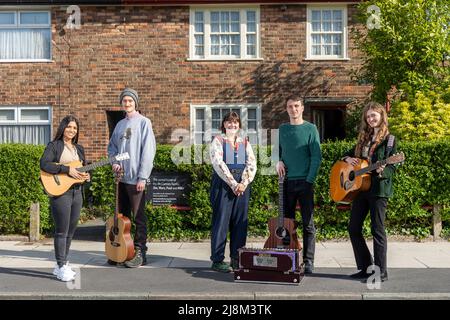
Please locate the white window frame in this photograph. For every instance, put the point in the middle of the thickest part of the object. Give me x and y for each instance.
(15, 115)
(344, 56)
(19, 115)
(15, 19)
(29, 26)
(208, 117)
(207, 31)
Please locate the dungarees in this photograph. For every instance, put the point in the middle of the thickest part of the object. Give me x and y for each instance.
(229, 210)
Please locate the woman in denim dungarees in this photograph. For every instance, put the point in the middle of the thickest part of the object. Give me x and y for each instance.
(234, 166)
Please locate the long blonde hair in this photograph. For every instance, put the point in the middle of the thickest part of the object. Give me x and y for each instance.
(366, 131)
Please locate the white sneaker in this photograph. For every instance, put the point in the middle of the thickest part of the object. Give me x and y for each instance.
(56, 269)
(65, 274)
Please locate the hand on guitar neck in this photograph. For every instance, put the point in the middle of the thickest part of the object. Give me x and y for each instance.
(355, 161)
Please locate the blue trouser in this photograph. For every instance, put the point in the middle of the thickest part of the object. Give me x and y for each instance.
(229, 213)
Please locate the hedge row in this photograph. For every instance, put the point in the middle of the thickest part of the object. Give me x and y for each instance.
(423, 180)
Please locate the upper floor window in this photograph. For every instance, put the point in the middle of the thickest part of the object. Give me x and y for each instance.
(24, 124)
(25, 35)
(326, 33)
(224, 34)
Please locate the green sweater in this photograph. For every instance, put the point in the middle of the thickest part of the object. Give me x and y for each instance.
(380, 186)
(300, 150)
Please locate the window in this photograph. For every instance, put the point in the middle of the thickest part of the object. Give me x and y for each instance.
(224, 34)
(206, 121)
(30, 125)
(25, 35)
(326, 33)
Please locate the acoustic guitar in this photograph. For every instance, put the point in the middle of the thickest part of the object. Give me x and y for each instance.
(346, 181)
(57, 184)
(283, 231)
(119, 246)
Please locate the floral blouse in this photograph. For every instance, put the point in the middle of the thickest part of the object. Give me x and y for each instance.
(221, 168)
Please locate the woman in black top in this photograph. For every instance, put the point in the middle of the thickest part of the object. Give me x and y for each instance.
(65, 208)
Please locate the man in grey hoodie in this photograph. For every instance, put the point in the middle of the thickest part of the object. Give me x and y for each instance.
(134, 134)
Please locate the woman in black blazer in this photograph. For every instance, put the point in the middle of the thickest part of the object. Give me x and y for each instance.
(65, 208)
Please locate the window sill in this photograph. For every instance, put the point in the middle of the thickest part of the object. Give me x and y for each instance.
(27, 61)
(326, 59)
(225, 59)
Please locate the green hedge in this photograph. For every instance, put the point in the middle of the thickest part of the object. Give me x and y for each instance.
(424, 179)
(20, 187)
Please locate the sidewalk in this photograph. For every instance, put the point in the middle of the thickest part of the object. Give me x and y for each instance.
(178, 270)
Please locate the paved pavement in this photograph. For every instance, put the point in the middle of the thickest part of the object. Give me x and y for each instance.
(181, 270)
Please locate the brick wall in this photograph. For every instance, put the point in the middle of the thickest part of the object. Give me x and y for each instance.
(147, 48)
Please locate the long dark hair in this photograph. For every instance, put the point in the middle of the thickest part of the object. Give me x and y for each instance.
(63, 125)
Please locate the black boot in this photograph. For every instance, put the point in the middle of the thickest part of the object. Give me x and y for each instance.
(138, 260)
(360, 275)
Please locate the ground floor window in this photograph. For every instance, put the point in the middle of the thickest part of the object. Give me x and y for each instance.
(207, 119)
(25, 124)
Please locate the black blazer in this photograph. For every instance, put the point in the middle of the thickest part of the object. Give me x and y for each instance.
(51, 156)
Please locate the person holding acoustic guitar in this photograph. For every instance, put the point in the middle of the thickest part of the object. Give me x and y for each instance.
(374, 143)
(234, 167)
(65, 208)
(133, 134)
(300, 159)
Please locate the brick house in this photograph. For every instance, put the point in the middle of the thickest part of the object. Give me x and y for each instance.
(190, 61)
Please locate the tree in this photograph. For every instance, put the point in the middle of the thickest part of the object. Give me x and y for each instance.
(406, 45)
(426, 117)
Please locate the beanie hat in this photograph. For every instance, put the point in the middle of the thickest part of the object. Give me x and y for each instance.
(131, 93)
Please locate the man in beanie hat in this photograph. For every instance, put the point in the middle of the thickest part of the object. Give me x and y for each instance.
(133, 134)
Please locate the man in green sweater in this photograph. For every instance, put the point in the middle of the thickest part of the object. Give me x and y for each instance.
(300, 159)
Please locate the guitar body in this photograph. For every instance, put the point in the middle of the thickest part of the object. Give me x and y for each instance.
(283, 231)
(344, 185)
(284, 236)
(119, 245)
(57, 184)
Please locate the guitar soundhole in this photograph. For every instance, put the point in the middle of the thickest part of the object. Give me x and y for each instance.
(281, 232)
(283, 235)
(351, 175)
(113, 233)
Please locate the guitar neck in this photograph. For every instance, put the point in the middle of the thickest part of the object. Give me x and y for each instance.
(280, 203)
(372, 167)
(94, 165)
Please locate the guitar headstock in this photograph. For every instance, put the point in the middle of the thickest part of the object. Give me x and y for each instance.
(396, 158)
(122, 156)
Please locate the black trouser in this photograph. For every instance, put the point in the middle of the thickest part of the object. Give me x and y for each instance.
(303, 192)
(66, 213)
(132, 201)
(362, 204)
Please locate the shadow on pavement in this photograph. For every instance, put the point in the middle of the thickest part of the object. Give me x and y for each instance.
(206, 273)
(27, 272)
